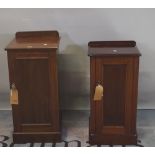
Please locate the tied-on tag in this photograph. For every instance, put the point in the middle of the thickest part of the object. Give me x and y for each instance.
(14, 95)
(98, 92)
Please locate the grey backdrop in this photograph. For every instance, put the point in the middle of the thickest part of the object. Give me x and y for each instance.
(77, 27)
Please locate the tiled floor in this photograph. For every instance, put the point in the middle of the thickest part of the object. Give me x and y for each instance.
(75, 126)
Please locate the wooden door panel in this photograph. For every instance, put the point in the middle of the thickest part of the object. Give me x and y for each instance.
(114, 86)
(114, 108)
(32, 82)
(33, 76)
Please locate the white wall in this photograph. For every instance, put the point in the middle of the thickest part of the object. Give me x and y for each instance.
(77, 27)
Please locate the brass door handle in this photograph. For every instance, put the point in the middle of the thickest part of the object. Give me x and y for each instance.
(98, 92)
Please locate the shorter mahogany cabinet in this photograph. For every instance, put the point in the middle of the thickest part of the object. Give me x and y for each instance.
(32, 63)
(114, 67)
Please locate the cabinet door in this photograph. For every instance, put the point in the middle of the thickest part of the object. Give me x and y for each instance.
(35, 77)
(113, 111)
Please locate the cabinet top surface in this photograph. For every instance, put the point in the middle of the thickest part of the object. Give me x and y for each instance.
(113, 48)
(35, 40)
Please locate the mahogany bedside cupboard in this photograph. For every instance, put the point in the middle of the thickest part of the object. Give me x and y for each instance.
(114, 67)
(32, 62)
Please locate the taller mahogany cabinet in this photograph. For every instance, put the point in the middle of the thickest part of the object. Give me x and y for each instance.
(113, 92)
(32, 62)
